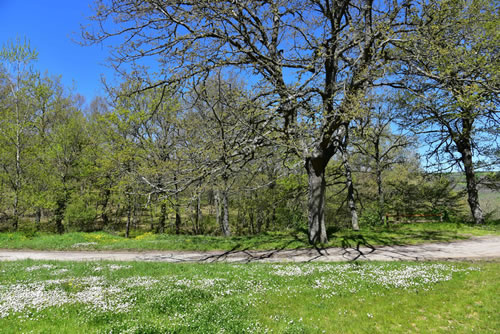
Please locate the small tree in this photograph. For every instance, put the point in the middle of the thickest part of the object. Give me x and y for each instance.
(380, 147)
(451, 70)
(16, 116)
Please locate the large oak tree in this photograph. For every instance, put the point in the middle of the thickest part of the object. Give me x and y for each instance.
(308, 60)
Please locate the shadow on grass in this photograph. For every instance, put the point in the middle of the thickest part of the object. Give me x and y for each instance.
(397, 236)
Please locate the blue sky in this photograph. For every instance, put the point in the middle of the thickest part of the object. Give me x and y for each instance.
(51, 26)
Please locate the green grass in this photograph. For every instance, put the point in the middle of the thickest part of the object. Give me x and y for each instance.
(105, 297)
(395, 235)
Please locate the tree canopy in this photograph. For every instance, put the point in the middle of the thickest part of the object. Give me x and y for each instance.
(238, 117)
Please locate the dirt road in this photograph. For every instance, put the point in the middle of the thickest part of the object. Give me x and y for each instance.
(477, 248)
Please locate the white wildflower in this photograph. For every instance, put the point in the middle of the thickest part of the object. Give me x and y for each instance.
(41, 266)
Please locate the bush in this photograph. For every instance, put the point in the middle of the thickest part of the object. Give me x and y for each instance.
(28, 228)
(79, 216)
(370, 217)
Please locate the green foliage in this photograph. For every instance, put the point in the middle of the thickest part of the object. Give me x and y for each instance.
(79, 215)
(18, 51)
(451, 69)
(157, 157)
(28, 229)
(370, 217)
(17, 116)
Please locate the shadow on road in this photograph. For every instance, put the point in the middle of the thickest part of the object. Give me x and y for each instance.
(354, 246)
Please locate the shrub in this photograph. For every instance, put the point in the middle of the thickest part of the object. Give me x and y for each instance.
(79, 216)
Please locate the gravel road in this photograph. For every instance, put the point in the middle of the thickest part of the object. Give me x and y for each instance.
(477, 248)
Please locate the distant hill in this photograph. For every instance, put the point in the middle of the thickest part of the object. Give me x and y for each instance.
(489, 191)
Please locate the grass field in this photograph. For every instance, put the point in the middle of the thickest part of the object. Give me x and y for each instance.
(395, 235)
(490, 200)
(105, 297)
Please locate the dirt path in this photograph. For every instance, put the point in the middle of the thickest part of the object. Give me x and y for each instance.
(478, 248)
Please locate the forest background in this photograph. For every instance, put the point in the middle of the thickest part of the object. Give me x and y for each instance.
(219, 145)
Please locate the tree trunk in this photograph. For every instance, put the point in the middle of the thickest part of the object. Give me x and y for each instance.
(38, 218)
(163, 217)
(15, 221)
(178, 220)
(470, 177)
(350, 190)
(217, 207)
(134, 214)
(197, 216)
(270, 218)
(152, 219)
(251, 221)
(17, 181)
(259, 220)
(349, 184)
(177, 208)
(225, 215)
(105, 201)
(315, 168)
(129, 214)
(59, 214)
(380, 194)
(378, 175)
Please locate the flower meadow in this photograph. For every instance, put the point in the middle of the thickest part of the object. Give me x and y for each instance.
(100, 297)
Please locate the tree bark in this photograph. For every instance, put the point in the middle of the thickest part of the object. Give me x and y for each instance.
(465, 149)
(177, 208)
(135, 218)
(178, 220)
(163, 217)
(251, 221)
(197, 215)
(15, 221)
(350, 190)
(378, 175)
(270, 218)
(217, 207)
(59, 214)
(226, 230)
(129, 214)
(349, 183)
(259, 220)
(17, 181)
(315, 168)
(380, 194)
(105, 202)
(38, 218)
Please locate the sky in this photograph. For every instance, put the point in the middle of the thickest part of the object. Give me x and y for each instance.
(53, 27)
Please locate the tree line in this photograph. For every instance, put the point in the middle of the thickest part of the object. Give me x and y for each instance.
(260, 116)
